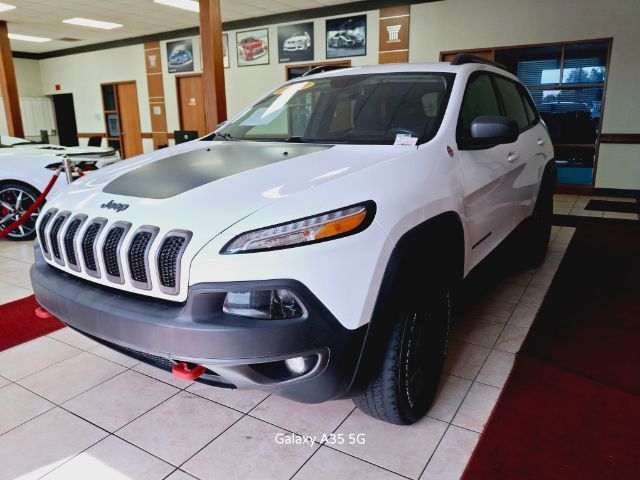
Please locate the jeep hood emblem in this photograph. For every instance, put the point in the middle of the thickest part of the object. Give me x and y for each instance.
(118, 207)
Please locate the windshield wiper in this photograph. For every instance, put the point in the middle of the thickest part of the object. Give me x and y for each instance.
(226, 136)
(294, 140)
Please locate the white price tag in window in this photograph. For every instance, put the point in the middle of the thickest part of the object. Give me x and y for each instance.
(405, 139)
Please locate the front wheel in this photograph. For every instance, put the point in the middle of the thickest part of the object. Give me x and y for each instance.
(537, 228)
(406, 385)
(15, 200)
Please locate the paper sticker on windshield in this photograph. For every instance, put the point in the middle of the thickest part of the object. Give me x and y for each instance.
(296, 87)
(405, 139)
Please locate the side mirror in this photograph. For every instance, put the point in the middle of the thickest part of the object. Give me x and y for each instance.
(488, 130)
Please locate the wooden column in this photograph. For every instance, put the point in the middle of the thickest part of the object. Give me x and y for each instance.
(215, 101)
(156, 94)
(8, 85)
(394, 34)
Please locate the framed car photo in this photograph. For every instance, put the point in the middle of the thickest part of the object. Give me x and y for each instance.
(347, 37)
(180, 56)
(295, 43)
(253, 47)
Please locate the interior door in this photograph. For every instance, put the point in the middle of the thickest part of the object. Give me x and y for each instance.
(65, 119)
(191, 103)
(130, 131)
(489, 174)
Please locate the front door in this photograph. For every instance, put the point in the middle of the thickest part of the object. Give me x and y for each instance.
(131, 133)
(191, 103)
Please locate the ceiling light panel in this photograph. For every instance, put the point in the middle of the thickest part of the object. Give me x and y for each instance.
(87, 22)
(5, 7)
(28, 38)
(190, 5)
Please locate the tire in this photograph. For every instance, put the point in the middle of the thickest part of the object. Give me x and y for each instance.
(536, 233)
(406, 385)
(15, 199)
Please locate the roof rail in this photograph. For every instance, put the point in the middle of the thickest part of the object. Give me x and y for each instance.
(323, 68)
(463, 58)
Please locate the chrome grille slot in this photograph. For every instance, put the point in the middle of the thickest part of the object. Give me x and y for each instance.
(168, 260)
(54, 239)
(89, 246)
(69, 241)
(111, 251)
(138, 257)
(44, 244)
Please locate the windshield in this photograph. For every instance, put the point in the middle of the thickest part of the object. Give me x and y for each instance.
(369, 109)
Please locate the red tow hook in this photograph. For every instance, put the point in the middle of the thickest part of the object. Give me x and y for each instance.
(181, 371)
(42, 313)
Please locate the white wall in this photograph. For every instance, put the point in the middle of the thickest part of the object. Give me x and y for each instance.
(28, 77)
(468, 24)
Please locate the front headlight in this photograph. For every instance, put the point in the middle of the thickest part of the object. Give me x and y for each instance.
(326, 226)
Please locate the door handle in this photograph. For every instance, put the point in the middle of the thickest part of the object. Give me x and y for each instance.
(513, 157)
(540, 141)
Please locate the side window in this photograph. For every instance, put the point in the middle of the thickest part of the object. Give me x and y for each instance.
(532, 114)
(512, 101)
(479, 99)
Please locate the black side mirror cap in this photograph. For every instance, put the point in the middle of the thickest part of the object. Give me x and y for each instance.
(490, 130)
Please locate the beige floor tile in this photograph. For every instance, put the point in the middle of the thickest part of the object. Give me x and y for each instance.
(118, 401)
(564, 235)
(580, 212)
(452, 455)
(11, 267)
(401, 449)
(621, 215)
(511, 338)
(623, 199)
(161, 375)
(180, 475)
(243, 400)
(464, 359)
(18, 406)
(533, 296)
(477, 406)
(542, 280)
(11, 293)
(304, 419)
(73, 338)
(493, 310)
(523, 315)
(72, 376)
(508, 292)
(179, 427)
(331, 464)
(497, 368)
(39, 446)
(25, 359)
(249, 450)
(451, 392)
(117, 357)
(26, 285)
(112, 459)
(522, 278)
(557, 210)
(4, 381)
(565, 197)
(547, 269)
(478, 331)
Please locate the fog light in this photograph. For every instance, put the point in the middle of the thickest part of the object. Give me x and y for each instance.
(299, 365)
(268, 304)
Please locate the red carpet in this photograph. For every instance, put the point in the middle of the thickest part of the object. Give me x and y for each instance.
(571, 408)
(19, 324)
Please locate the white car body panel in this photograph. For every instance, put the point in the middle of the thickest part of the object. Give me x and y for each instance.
(409, 185)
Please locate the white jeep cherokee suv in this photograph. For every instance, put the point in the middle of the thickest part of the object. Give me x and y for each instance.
(310, 246)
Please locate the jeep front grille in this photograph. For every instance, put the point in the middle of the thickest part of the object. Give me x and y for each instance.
(123, 257)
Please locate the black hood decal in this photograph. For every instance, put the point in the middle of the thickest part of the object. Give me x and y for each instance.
(179, 173)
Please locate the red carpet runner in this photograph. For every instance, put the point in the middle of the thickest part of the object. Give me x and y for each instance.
(571, 408)
(19, 324)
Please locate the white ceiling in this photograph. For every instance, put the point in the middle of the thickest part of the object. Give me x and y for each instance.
(42, 18)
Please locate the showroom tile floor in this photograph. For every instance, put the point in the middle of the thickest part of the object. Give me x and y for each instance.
(575, 205)
(71, 406)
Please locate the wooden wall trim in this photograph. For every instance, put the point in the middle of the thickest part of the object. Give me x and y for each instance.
(625, 138)
(9, 85)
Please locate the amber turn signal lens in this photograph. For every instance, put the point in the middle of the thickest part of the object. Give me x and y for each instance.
(341, 226)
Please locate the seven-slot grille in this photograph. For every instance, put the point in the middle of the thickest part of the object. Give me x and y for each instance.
(90, 240)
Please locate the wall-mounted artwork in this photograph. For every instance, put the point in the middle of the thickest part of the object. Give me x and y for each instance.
(347, 37)
(225, 50)
(180, 56)
(253, 47)
(295, 43)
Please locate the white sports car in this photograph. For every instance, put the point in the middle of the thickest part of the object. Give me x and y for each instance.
(27, 167)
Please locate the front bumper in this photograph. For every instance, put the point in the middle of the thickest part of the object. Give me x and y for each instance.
(237, 351)
(294, 48)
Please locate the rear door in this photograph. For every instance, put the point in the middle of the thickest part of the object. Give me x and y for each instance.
(489, 174)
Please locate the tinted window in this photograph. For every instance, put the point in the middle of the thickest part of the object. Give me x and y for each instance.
(512, 101)
(479, 99)
(532, 115)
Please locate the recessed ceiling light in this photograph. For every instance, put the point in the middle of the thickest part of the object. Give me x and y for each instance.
(190, 5)
(28, 38)
(5, 7)
(87, 22)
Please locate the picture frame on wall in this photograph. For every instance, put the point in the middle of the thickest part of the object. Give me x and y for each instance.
(295, 43)
(346, 36)
(252, 47)
(225, 50)
(180, 56)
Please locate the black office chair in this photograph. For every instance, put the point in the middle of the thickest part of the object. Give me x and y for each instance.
(182, 136)
(95, 141)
